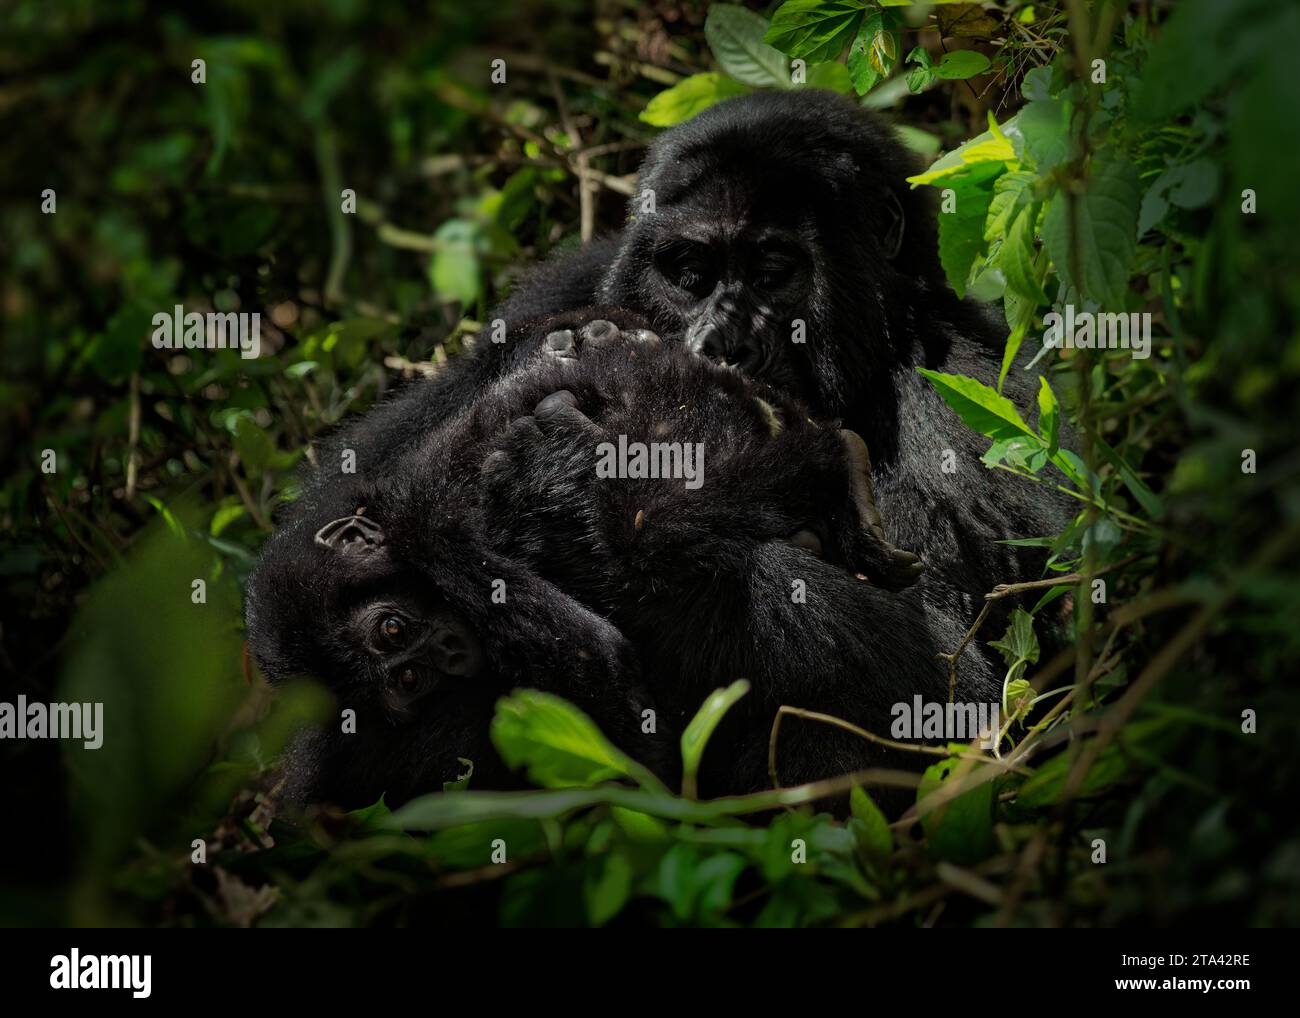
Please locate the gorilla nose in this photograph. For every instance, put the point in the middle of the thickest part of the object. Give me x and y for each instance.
(706, 340)
(710, 343)
(454, 651)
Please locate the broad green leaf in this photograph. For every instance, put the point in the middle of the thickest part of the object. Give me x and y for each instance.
(1016, 257)
(1011, 192)
(558, 745)
(960, 831)
(862, 68)
(993, 146)
(224, 516)
(962, 63)
(607, 887)
(1098, 231)
(253, 444)
(882, 54)
(735, 37)
(697, 733)
(979, 406)
(961, 232)
(688, 97)
(1018, 644)
(1016, 699)
(815, 30)
(1045, 130)
(831, 76)
(874, 837)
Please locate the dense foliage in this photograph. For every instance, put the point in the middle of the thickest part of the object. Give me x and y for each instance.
(1110, 157)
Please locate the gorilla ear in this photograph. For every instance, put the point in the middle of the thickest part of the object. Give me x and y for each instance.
(891, 241)
(351, 535)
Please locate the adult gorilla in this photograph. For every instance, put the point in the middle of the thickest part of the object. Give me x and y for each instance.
(777, 232)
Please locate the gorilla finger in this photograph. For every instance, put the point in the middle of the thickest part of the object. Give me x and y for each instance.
(560, 344)
(495, 464)
(524, 429)
(557, 413)
(554, 402)
(646, 338)
(808, 541)
(599, 334)
(864, 495)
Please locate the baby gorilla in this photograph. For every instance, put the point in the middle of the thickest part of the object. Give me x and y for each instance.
(593, 465)
(426, 587)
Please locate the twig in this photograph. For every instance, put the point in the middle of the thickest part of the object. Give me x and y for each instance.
(1007, 590)
(133, 437)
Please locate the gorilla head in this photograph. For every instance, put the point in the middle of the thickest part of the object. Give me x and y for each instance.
(386, 591)
(773, 209)
(374, 631)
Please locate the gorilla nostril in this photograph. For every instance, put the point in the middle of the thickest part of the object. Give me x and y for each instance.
(708, 343)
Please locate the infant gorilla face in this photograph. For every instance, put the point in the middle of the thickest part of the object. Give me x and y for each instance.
(413, 649)
(412, 645)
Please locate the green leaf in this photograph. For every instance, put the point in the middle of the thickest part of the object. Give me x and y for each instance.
(993, 146)
(689, 96)
(960, 831)
(1011, 192)
(1103, 236)
(961, 232)
(979, 406)
(831, 76)
(1049, 416)
(1019, 314)
(735, 36)
(1112, 765)
(874, 838)
(607, 887)
(1045, 129)
(1016, 257)
(558, 745)
(1019, 643)
(1151, 502)
(225, 516)
(1016, 699)
(962, 63)
(697, 733)
(454, 270)
(814, 29)
(861, 67)
(253, 444)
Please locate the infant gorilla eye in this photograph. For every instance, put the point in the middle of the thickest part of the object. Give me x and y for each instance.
(393, 630)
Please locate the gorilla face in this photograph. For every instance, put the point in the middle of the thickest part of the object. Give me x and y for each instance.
(733, 292)
(776, 233)
(381, 635)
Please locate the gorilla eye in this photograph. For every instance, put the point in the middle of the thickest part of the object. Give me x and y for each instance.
(393, 630)
(688, 267)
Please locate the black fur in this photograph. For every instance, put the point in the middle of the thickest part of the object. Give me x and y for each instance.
(767, 209)
(697, 584)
